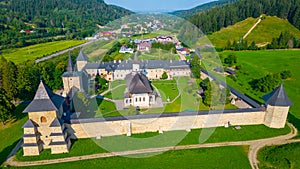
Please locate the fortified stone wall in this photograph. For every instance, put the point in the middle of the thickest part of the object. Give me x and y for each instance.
(89, 128)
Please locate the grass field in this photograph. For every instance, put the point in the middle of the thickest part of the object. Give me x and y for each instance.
(231, 157)
(153, 140)
(270, 27)
(33, 52)
(260, 63)
(284, 156)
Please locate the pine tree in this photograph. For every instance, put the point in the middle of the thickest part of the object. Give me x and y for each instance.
(6, 107)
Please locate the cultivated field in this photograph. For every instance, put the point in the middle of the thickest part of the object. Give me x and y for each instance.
(34, 52)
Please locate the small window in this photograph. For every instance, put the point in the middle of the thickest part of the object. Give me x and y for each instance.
(43, 119)
(144, 99)
(140, 99)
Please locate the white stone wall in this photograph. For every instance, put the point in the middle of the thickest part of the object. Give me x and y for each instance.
(110, 128)
(276, 116)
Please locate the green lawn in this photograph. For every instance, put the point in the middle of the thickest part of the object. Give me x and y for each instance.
(283, 156)
(11, 133)
(167, 88)
(33, 52)
(157, 54)
(106, 109)
(152, 140)
(231, 157)
(116, 94)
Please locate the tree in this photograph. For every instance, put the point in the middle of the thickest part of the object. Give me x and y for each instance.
(164, 76)
(9, 76)
(27, 80)
(195, 67)
(6, 107)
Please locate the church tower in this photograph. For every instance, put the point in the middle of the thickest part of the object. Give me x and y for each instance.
(81, 61)
(74, 80)
(278, 105)
(136, 63)
(44, 128)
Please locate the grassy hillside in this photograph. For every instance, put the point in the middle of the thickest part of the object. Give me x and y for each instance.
(270, 27)
(235, 32)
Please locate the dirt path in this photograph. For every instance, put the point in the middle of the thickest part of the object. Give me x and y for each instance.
(280, 140)
(255, 146)
(259, 20)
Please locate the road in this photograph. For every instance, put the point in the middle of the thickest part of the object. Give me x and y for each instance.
(64, 51)
(255, 146)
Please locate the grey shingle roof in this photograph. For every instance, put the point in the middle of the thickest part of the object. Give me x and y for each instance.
(55, 123)
(82, 57)
(70, 68)
(44, 100)
(139, 84)
(29, 124)
(278, 97)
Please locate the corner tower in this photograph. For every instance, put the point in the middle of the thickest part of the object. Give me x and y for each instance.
(278, 105)
(44, 129)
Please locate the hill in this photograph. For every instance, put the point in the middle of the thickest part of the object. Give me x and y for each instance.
(215, 19)
(200, 8)
(50, 18)
(270, 27)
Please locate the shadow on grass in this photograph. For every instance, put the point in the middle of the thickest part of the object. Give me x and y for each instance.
(18, 112)
(6, 151)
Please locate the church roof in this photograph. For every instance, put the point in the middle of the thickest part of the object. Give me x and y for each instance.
(28, 124)
(44, 100)
(55, 123)
(82, 56)
(70, 68)
(139, 84)
(278, 97)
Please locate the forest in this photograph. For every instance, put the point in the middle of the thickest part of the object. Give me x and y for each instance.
(66, 19)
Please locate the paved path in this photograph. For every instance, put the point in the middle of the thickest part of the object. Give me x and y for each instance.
(259, 20)
(255, 145)
(64, 51)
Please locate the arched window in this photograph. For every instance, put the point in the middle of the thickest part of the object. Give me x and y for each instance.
(144, 99)
(43, 119)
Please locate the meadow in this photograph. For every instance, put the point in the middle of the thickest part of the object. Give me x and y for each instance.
(33, 52)
(256, 64)
(231, 157)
